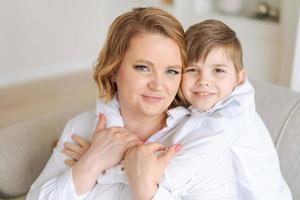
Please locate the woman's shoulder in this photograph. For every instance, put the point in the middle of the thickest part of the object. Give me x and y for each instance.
(83, 117)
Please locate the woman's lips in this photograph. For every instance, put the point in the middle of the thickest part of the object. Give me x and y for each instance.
(152, 99)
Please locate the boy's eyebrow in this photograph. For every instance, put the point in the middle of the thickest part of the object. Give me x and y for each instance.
(192, 65)
(214, 65)
(220, 65)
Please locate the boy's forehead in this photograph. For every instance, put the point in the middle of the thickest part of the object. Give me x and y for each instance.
(215, 52)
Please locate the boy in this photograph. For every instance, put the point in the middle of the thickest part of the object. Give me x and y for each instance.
(214, 84)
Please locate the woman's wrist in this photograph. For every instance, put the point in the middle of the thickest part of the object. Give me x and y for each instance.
(85, 173)
(92, 163)
(84, 178)
(146, 192)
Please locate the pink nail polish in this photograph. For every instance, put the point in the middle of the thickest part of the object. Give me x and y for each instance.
(177, 147)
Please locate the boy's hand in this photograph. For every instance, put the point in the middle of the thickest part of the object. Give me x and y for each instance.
(75, 151)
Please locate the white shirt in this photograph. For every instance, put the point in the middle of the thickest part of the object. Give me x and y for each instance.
(254, 156)
(201, 170)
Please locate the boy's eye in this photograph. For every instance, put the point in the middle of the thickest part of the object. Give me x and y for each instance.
(218, 70)
(173, 71)
(191, 69)
(142, 68)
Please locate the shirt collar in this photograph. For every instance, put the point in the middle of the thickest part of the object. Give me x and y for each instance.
(111, 110)
(176, 113)
(239, 100)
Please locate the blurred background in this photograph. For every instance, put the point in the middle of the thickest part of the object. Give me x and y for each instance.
(48, 47)
(45, 38)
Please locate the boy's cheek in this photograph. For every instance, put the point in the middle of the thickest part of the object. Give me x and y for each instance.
(185, 84)
(185, 91)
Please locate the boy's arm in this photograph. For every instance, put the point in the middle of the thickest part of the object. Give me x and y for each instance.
(55, 181)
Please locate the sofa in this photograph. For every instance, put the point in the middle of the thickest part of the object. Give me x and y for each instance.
(25, 146)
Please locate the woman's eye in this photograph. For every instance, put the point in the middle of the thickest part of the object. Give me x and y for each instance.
(218, 70)
(173, 71)
(142, 68)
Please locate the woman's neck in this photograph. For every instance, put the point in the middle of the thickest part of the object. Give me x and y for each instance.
(144, 126)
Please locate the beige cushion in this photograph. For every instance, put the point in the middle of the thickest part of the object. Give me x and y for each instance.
(25, 149)
(274, 105)
(280, 109)
(289, 151)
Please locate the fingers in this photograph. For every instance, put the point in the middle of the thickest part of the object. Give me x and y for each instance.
(166, 157)
(80, 140)
(156, 147)
(102, 122)
(132, 143)
(73, 147)
(71, 154)
(70, 163)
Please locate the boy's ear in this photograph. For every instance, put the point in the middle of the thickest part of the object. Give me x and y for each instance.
(241, 76)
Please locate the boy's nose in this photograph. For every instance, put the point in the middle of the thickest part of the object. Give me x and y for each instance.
(202, 83)
(202, 80)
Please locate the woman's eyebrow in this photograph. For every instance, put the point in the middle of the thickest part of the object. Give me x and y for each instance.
(175, 66)
(152, 64)
(145, 61)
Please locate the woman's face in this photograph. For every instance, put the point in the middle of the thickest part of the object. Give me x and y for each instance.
(149, 75)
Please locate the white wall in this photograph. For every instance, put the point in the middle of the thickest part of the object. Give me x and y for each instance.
(43, 38)
(295, 79)
(289, 22)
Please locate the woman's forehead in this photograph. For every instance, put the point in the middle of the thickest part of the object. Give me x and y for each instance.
(154, 47)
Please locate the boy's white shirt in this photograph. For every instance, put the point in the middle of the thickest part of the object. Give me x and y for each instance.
(201, 170)
(253, 153)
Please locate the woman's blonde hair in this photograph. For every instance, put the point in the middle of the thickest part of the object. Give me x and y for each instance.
(125, 27)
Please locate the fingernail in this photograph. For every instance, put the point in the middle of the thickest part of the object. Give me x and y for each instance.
(177, 147)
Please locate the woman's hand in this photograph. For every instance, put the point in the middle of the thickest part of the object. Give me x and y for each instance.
(107, 149)
(75, 151)
(108, 145)
(145, 165)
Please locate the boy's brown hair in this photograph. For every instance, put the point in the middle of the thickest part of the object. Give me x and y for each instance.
(203, 37)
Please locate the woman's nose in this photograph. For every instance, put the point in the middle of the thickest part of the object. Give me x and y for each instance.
(156, 83)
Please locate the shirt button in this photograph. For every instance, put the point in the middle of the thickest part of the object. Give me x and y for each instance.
(122, 168)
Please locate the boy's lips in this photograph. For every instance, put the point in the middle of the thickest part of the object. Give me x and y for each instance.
(203, 93)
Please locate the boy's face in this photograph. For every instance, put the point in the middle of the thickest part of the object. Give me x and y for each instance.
(206, 83)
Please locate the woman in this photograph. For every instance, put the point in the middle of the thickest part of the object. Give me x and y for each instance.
(138, 74)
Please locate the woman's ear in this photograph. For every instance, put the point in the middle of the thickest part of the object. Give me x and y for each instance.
(113, 77)
(242, 75)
